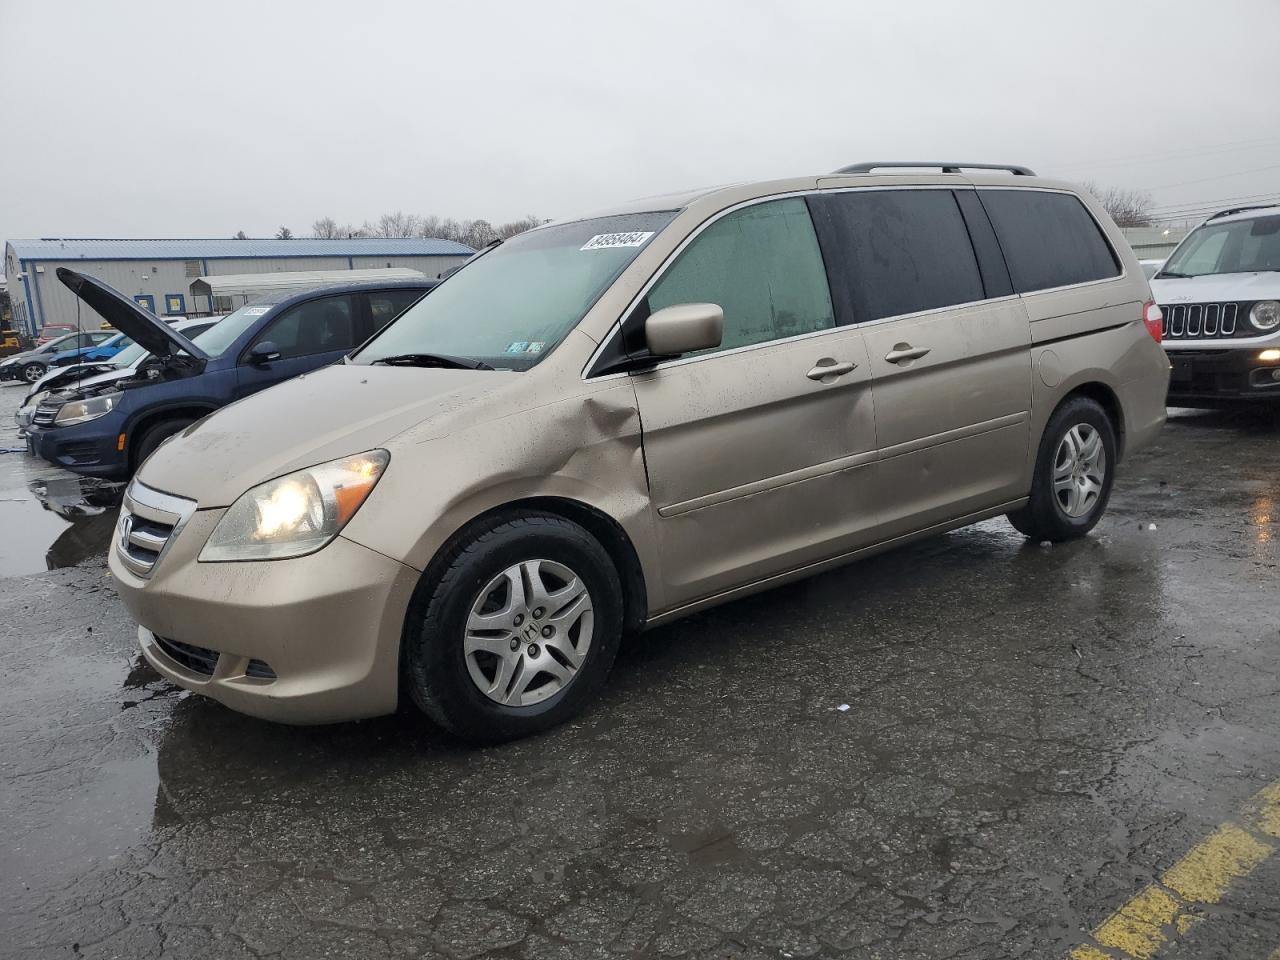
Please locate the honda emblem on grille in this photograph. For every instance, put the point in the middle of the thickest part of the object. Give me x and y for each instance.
(126, 527)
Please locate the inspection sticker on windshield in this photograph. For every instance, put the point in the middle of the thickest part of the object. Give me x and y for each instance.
(607, 241)
(255, 311)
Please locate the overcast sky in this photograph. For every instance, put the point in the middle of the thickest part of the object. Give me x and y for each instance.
(178, 119)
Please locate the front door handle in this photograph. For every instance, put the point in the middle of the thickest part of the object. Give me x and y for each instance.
(902, 352)
(827, 369)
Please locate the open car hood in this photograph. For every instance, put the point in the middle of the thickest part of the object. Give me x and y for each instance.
(129, 318)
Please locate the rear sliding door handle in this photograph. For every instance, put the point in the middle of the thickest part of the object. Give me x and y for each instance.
(903, 352)
(827, 369)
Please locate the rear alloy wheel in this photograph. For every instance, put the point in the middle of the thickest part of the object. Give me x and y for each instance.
(519, 631)
(32, 372)
(1073, 475)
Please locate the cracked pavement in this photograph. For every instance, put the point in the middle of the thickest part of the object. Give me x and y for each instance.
(1033, 734)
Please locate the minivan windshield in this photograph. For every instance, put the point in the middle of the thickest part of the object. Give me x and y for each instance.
(510, 306)
(1239, 246)
(225, 332)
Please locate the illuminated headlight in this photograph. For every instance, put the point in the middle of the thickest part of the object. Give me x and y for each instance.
(295, 514)
(81, 411)
(1265, 314)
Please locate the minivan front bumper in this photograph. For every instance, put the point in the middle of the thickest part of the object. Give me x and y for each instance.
(314, 639)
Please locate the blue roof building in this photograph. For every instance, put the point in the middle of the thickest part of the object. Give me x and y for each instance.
(159, 273)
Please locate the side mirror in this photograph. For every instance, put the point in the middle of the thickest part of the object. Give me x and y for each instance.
(264, 353)
(684, 328)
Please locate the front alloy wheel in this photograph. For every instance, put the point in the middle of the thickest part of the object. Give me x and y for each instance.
(528, 632)
(513, 630)
(32, 372)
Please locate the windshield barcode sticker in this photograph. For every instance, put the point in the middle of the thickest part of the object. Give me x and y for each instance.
(607, 241)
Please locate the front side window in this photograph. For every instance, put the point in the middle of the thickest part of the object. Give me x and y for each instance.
(1049, 239)
(899, 251)
(1241, 246)
(316, 326)
(511, 306)
(763, 266)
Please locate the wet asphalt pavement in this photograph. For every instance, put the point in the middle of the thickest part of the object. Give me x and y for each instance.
(1033, 734)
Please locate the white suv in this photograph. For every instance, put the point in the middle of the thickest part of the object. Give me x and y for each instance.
(1219, 292)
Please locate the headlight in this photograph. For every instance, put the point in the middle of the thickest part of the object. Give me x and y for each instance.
(80, 411)
(1265, 314)
(295, 514)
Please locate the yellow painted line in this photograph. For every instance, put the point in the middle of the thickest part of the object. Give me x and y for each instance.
(1165, 910)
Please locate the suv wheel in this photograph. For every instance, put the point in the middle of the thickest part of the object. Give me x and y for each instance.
(518, 633)
(1074, 471)
(33, 372)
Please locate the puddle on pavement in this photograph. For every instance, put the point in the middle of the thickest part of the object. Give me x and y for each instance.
(56, 522)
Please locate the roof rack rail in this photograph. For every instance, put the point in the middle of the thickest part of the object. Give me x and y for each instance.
(946, 166)
(1256, 206)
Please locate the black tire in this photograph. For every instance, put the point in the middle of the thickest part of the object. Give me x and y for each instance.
(434, 664)
(32, 372)
(155, 435)
(1044, 517)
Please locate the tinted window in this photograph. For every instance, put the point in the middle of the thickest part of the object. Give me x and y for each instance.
(317, 326)
(762, 265)
(1049, 239)
(384, 305)
(899, 251)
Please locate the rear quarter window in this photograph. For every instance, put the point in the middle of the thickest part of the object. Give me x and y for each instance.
(1049, 239)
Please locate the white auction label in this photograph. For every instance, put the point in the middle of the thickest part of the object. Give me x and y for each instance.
(607, 241)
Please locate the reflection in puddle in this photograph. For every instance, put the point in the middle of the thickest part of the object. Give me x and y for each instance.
(56, 523)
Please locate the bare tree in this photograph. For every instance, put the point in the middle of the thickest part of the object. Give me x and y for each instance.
(326, 228)
(1128, 208)
(284, 233)
(240, 235)
(474, 233)
(398, 224)
(509, 230)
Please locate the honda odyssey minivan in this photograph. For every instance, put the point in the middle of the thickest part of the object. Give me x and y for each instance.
(603, 424)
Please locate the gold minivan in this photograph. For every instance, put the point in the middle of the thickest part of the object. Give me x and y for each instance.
(603, 424)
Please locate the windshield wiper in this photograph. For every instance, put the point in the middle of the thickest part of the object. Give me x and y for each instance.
(1171, 273)
(433, 360)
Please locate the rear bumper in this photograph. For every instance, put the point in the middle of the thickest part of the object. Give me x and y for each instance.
(1216, 374)
(327, 625)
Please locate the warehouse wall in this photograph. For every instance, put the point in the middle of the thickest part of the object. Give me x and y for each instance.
(54, 303)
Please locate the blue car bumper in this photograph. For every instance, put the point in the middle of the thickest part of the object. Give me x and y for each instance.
(86, 448)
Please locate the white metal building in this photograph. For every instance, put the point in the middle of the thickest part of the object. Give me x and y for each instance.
(159, 273)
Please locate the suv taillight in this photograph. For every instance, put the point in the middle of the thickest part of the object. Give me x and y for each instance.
(1153, 318)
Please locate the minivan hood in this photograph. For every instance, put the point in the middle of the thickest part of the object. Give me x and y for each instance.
(334, 412)
(129, 318)
(1217, 287)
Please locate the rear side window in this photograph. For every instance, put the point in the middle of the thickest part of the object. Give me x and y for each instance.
(762, 265)
(1049, 239)
(898, 251)
(384, 305)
